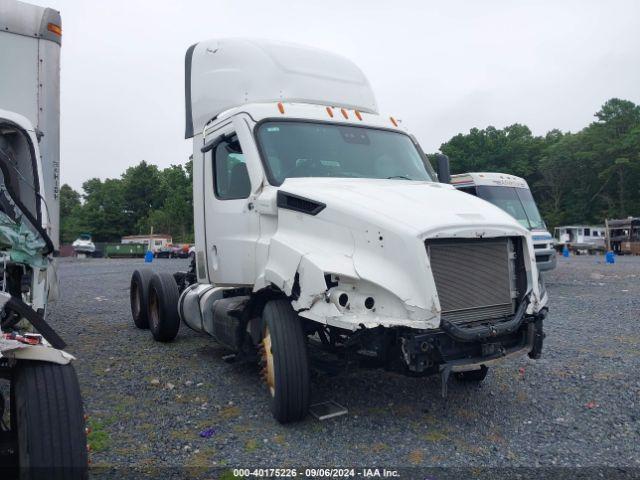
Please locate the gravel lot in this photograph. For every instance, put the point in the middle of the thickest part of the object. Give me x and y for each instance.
(147, 402)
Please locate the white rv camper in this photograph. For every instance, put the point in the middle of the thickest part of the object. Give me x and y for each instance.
(45, 437)
(319, 223)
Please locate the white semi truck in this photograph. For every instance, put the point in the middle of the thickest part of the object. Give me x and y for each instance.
(513, 195)
(45, 434)
(320, 224)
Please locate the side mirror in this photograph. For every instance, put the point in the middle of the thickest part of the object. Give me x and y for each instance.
(444, 172)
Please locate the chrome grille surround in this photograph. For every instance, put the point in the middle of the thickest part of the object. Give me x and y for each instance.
(475, 278)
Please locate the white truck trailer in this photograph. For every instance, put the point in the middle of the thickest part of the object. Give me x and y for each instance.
(319, 224)
(45, 434)
(513, 195)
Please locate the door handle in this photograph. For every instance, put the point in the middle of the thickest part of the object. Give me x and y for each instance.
(214, 255)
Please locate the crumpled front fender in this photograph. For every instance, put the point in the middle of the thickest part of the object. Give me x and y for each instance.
(305, 249)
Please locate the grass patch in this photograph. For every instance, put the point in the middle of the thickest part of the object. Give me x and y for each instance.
(203, 458)
(232, 411)
(181, 435)
(434, 436)
(227, 475)
(251, 445)
(378, 447)
(416, 457)
(98, 437)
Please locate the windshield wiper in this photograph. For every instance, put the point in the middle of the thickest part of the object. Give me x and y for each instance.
(398, 176)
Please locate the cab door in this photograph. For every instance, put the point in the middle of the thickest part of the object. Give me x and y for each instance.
(231, 223)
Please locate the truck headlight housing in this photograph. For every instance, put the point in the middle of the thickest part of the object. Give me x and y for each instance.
(358, 296)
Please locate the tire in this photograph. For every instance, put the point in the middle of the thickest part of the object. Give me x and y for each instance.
(164, 321)
(285, 361)
(473, 375)
(49, 421)
(139, 297)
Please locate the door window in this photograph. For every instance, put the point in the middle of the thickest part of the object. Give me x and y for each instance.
(231, 178)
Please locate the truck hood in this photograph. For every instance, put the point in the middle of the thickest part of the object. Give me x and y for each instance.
(425, 209)
(369, 236)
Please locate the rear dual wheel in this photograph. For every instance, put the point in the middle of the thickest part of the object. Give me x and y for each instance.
(285, 365)
(139, 297)
(154, 303)
(164, 320)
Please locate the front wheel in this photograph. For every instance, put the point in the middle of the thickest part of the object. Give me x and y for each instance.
(47, 414)
(285, 365)
(139, 297)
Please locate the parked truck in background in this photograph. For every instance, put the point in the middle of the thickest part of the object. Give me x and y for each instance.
(45, 434)
(513, 195)
(319, 224)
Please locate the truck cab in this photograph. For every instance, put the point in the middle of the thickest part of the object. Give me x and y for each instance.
(512, 194)
(320, 224)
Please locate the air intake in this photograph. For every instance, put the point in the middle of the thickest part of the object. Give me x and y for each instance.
(296, 203)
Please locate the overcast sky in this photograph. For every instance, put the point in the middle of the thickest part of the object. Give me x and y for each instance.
(442, 67)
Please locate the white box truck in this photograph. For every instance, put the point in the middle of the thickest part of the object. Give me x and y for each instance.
(320, 224)
(45, 437)
(513, 195)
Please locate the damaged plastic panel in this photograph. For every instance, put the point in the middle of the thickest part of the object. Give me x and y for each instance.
(22, 244)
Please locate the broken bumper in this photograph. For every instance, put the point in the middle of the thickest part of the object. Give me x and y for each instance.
(459, 349)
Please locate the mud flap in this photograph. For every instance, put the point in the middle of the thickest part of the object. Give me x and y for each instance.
(538, 339)
(445, 372)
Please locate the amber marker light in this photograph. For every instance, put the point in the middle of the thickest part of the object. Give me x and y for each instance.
(53, 28)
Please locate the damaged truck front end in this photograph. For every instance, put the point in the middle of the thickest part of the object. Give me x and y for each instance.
(321, 225)
(31, 357)
(399, 291)
(28, 272)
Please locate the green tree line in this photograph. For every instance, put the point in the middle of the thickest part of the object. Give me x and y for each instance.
(143, 197)
(580, 177)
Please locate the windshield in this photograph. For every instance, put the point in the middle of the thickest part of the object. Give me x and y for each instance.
(305, 149)
(517, 202)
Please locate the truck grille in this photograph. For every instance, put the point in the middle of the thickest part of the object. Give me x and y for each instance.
(475, 278)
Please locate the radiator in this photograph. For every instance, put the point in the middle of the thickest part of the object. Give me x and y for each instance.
(475, 278)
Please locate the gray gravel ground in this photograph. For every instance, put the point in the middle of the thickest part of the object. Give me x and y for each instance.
(147, 402)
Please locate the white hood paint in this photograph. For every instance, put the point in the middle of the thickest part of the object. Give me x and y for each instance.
(371, 234)
(423, 208)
